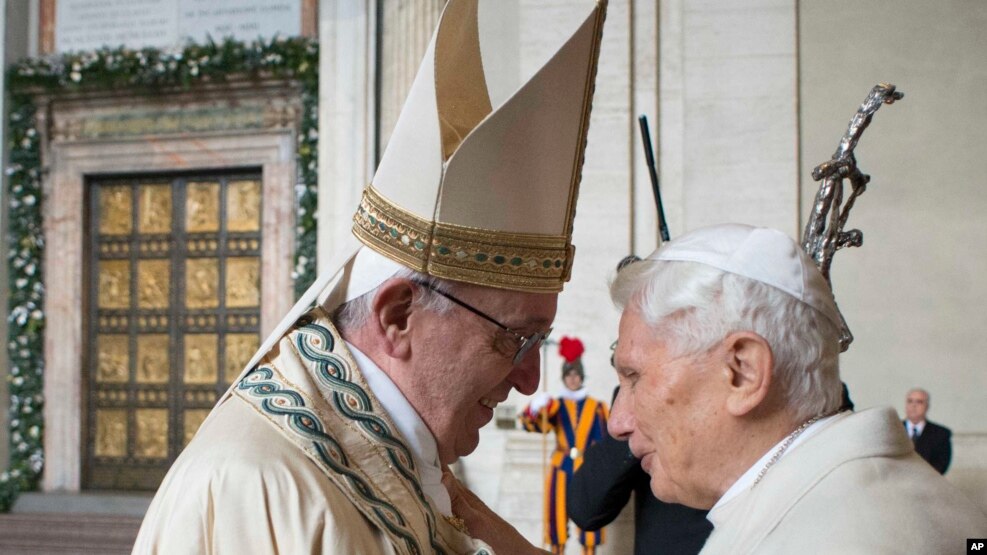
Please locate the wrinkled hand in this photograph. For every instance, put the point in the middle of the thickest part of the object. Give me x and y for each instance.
(482, 522)
(539, 401)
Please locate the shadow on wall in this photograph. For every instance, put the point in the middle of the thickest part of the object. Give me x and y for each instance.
(969, 469)
(972, 482)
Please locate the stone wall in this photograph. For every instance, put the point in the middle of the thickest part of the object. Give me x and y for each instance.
(914, 294)
(408, 26)
(728, 113)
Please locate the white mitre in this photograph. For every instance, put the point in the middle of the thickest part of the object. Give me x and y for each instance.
(476, 185)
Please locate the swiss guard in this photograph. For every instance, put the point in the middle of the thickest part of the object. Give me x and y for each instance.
(578, 421)
(336, 437)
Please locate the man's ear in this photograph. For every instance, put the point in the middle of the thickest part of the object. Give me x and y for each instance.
(749, 364)
(391, 314)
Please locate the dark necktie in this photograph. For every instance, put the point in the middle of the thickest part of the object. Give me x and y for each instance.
(914, 434)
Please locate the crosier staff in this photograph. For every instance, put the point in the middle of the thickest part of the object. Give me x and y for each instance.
(824, 234)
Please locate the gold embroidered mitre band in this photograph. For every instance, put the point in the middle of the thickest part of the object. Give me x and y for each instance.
(480, 177)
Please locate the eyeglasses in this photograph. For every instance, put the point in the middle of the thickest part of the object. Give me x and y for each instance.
(525, 342)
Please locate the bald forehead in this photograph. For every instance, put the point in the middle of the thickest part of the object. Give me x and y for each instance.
(918, 393)
(635, 337)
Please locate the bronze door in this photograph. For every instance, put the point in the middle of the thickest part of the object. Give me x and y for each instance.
(173, 315)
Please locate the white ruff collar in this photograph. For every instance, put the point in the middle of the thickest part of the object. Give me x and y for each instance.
(577, 395)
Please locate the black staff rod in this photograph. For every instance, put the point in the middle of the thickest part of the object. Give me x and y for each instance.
(649, 155)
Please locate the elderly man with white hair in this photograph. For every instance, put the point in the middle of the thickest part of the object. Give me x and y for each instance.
(728, 360)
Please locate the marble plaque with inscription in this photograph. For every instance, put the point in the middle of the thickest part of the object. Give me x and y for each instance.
(91, 24)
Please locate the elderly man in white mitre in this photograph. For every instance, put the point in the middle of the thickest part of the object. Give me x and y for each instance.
(336, 437)
(730, 389)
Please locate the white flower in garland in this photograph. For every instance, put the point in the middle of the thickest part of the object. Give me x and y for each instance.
(36, 461)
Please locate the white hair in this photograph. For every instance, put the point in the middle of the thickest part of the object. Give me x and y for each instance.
(353, 314)
(692, 307)
(928, 397)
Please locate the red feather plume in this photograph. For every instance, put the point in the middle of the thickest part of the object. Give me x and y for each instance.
(571, 348)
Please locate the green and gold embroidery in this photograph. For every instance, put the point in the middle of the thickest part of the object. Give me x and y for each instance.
(518, 261)
(316, 342)
(280, 401)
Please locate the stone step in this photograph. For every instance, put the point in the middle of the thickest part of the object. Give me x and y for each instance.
(68, 533)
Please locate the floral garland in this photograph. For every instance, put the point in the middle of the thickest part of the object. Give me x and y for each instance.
(296, 59)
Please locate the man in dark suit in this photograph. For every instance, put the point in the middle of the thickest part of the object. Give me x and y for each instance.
(931, 440)
(602, 486)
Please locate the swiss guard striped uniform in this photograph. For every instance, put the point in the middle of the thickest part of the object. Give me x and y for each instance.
(578, 421)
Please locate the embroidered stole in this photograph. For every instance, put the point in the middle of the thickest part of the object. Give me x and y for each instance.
(311, 389)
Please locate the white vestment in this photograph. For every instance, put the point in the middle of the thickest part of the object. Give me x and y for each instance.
(300, 458)
(855, 487)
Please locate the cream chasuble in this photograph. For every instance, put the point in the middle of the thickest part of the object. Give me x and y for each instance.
(300, 458)
(855, 487)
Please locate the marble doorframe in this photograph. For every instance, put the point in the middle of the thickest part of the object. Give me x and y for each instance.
(68, 159)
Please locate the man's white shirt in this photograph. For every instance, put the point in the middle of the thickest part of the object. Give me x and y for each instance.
(913, 427)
